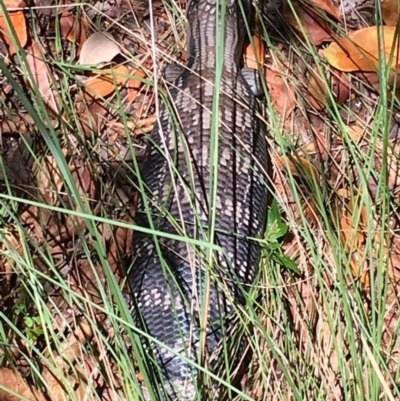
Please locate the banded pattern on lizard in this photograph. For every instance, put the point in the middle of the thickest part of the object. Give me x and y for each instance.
(201, 186)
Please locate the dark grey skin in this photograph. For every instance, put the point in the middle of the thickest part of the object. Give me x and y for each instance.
(185, 294)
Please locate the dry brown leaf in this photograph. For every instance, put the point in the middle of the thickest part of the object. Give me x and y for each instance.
(49, 180)
(350, 234)
(370, 78)
(15, 383)
(390, 11)
(72, 28)
(68, 27)
(356, 132)
(30, 216)
(317, 143)
(84, 181)
(341, 86)
(302, 168)
(329, 7)
(365, 279)
(86, 188)
(352, 223)
(325, 336)
(343, 192)
(12, 244)
(97, 113)
(18, 21)
(318, 90)
(373, 79)
(255, 54)
(308, 23)
(104, 85)
(41, 74)
(311, 211)
(298, 166)
(355, 265)
(394, 258)
(54, 385)
(360, 50)
(91, 115)
(14, 3)
(68, 351)
(281, 91)
(54, 228)
(98, 48)
(133, 84)
(119, 245)
(361, 211)
(359, 266)
(86, 279)
(393, 170)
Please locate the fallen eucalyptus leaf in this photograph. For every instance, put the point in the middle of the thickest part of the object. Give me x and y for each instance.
(360, 51)
(18, 21)
(99, 48)
(390, 11)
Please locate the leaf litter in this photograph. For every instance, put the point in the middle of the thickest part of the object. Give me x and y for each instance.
(318, 144)
(96, 147)
(14, 20)
(98, 48)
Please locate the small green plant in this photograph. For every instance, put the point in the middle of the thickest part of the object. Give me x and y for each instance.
(275, 232)
(32, 324)
(33, 327)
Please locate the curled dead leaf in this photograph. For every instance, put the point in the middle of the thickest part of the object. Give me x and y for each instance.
(83, 178)
(351, 236)
(356, 132)
(340, 86)
(281, 91)
(307, 23)
(133, 84)
(353, 224)
(56, 389)
(98, 48)
(394, 258)
(14, 3)
(318, 90)
(359, 266)
(41, 75)
(354, 221)
(329, 7)
(298, 166)
(91, 115)
(18, 21)
(343, 192)
(390, 11)
(12, 383)
(11, 243)
(49, 180)
(255, 53)
(312, 212)
(72, 28)
(118, 246)
(317, 144)
(361, 49)
(105, 84)
(302, 168)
